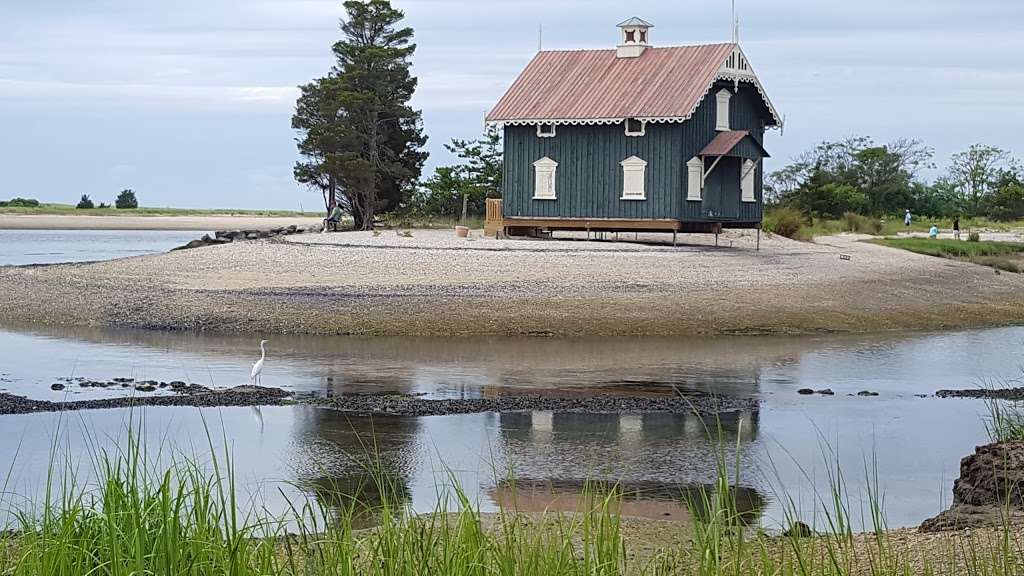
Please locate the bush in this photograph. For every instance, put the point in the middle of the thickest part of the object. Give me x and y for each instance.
(126, 200)
(20, 203)
(103, 205)
(974, 237)
(788, 222)
(857, 223)
(877, 226)
(85, 203)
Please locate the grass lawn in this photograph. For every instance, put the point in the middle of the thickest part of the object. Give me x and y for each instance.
(68, 209)
(1007, 256)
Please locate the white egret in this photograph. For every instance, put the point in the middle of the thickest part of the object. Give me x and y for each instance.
(257, 368)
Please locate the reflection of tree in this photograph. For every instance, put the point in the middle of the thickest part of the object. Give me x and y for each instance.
(355, 466)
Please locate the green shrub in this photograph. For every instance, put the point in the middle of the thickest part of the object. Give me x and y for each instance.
(126, 200)
(974, 237)
(877, 226)
(85, 203)
(856, 223)
(20, 203)
(788, 222)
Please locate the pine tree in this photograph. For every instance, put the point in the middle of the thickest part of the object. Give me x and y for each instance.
(361, 141)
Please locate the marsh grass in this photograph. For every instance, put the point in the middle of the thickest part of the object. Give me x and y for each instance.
(141, 518)
(998, 255)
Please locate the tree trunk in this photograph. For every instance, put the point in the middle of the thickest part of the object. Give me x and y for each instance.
(465, 206)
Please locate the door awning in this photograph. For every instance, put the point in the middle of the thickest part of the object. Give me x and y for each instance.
(738, 143)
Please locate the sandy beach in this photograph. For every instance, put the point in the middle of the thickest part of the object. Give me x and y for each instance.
(435, 284)
(105, 222)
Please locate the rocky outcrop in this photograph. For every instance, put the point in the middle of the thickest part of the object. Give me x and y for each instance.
(229, 236)
(989, 491)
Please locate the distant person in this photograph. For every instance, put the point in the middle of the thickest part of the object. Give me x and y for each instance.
(907, 218)
(332, 219)
(933, 232)
(956, 228)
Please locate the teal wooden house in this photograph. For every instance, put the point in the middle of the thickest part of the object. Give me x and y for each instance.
(634, 138)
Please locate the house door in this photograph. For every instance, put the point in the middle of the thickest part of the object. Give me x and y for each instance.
(722, 191)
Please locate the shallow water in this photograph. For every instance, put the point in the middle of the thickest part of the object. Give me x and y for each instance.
(914, 443)
(21, 247)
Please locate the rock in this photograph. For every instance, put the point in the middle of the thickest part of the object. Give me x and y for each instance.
(222, 234)
(145, 388)
(57, 387)
(798, 530)
(292, 228)
(867, 393)
(220, 241)
(206, 238)
(990, 489)
(252, 235)
(826, 392)
(986, 393)
(192, 244)
(123, 380)
(805, 391)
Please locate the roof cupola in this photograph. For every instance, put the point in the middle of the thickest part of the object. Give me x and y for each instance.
(634, 37)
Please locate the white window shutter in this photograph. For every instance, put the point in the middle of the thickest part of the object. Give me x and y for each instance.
(747, 179)
(695, 179)
(633, 172)
(544, 179)
(722, 111)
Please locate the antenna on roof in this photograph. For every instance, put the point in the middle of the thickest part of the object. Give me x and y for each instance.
(540, 37)
(735, 24)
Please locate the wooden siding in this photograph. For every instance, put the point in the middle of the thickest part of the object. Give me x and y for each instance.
(589, 179)
(588, 182)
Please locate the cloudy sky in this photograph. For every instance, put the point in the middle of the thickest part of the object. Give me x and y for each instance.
(189, 102)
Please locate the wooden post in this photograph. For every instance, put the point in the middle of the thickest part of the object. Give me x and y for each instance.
(758, 238)
(674, 237)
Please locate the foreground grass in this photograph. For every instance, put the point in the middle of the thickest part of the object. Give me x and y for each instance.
(69, 210)
(1008, 256)
(138, 519)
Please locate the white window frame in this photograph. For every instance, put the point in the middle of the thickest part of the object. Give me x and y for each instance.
(634, 173)
(695, 179)
(545, 171)
(722, 110)
(748, 177)
(643, 127)
(541, 134)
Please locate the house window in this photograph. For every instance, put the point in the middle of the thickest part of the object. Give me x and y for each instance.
(635, 127)
(544, 179)
(722, 111)
(546, 130)
(695, 179)
(747, 181)
(633, 171)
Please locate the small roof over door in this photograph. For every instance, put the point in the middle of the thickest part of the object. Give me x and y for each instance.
(737, 143)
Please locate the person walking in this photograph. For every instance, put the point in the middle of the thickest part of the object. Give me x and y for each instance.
(907, 218)
(956, 228)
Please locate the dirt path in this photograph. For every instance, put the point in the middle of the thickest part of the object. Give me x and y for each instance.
(434, 284)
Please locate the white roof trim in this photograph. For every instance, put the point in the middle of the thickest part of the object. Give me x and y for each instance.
(724, 73)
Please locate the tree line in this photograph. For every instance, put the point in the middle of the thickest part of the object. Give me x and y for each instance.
(856, 175)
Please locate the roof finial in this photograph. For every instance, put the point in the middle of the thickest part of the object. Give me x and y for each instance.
(540, 37)
(734, 24)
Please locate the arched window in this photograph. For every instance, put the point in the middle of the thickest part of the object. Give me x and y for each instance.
(544, 179)
(694, 179)
(633, 171)
(747, 176)
(722, 110)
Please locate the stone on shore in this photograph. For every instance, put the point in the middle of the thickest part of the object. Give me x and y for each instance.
(989, 491)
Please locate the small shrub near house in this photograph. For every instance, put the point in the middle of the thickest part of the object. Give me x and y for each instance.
(85, 203)
(788, 222)
(19, 203)
(126, 200)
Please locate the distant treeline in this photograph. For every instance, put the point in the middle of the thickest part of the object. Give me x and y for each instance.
(19, 203)
(857, 176)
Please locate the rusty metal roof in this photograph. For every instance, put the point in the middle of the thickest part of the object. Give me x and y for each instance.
(724, 142)
(662, 83)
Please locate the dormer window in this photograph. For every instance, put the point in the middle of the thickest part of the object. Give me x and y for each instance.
(722, 110)
(635, 127)
(546, 130)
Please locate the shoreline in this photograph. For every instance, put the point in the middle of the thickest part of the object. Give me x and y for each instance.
(432, 284)
(137, 222)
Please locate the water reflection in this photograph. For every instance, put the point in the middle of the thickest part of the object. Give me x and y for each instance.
(916, 444)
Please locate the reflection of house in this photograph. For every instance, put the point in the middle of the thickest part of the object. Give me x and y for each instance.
(634, 138)
(630, 427)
